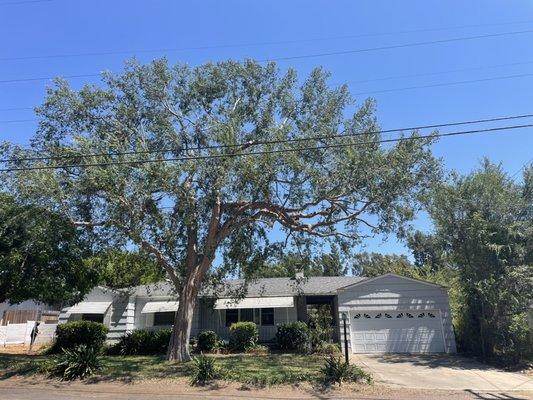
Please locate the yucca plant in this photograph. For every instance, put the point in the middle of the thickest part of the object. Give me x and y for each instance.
(204, 370)
(78, 363)
(336, 370)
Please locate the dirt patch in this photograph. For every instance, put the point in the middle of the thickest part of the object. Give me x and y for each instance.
(146, 389)
(20, 349)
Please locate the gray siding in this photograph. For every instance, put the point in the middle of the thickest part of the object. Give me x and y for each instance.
(146, 320)
(395, 293)
(117, 317)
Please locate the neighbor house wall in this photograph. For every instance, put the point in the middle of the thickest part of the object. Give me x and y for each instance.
(395, 293)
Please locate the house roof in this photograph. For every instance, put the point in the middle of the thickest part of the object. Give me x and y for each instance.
(264, 287)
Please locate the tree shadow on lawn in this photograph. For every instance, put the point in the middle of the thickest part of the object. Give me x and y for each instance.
(19, 365)
(130, 368)
(452, 361)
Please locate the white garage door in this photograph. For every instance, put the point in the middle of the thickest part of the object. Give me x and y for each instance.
(396, 332)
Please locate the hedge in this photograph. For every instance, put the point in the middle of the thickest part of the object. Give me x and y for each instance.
(73, 334)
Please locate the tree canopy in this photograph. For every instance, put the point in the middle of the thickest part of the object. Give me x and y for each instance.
(123, 269)
(253, 149)
(484, 233)
(41, 256)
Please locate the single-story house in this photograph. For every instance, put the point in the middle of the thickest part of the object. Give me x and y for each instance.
(388, 313)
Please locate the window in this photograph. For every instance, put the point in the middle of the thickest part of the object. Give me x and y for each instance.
(267, 316)
(367, 316)
(164, 318)
(93, 317)
(409, 315)
(431, 315)
(357, 316)
(378, 315)
(421, 315)
(247, 314)
(388, 315)
(232, 316)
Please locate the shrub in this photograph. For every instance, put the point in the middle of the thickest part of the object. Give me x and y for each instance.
(327, 348)
(142, 342)
(161, 340)
(204, 370)
(78, 363)
(335, 370)
(293, 336)
(243, 336)
(207, 341)
(257, 349)
(76, 333)
(320, 329)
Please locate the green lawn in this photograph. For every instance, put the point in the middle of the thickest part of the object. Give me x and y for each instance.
(256, 369)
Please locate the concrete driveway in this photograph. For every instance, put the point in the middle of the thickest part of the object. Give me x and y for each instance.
(448, 372)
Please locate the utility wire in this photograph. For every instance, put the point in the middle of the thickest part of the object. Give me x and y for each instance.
(269, 142)
(376, 79)
(47, 78)
(522, 167)
(13, 3)
(450, 71)
(265, 152)
(396, 46)
(400, 89)
(315, 55)
(253, 44)
(12, 121)
(496, 78)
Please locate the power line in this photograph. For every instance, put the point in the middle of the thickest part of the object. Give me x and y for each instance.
(522, 167)
(12, 3)
(270, 142)
(496, 78)
(253, 44)
(386, 78)
(315, 55)
(265, 152)
(364, 81)
(47, 78)
(398, 46)
(16, 108)
(12, 121)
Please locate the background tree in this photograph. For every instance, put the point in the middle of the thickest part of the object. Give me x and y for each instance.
(374, 264)
(40, 256)
(251, 152)
(484, 225)
(122, 269)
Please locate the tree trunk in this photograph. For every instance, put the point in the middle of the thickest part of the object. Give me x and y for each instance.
(178, 348)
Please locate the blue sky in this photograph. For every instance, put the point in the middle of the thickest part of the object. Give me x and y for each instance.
(219, 30)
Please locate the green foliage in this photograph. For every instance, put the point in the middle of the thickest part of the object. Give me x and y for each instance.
(243, 336)
(293, 336)
(121, 269)
(484, 238)
(327, 348)
(207, 341)
(41, 255)
(185, 214)
(142, 342)
(287, 264)
(204, 370)
(77, 363)
(73, 334)
(335, 370)
(371, 265)
(320, 325)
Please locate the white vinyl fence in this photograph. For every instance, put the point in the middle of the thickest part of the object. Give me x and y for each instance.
(21, 333)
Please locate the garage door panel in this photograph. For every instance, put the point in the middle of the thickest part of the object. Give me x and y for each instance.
(401, 332)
